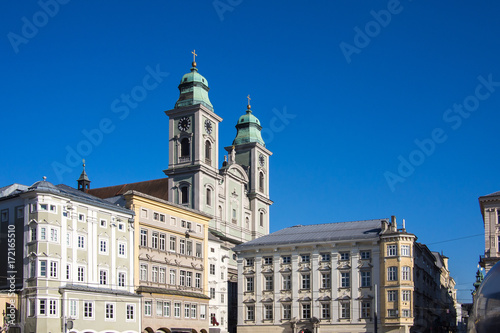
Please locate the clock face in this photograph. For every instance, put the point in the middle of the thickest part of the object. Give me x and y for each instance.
(184, 124)
(208, 126)
(262, 159)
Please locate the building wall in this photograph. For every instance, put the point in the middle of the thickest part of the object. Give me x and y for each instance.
(172, 275)
(490, 210)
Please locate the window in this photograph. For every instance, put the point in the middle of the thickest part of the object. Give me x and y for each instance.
(43, 235)
(392, 296)
(73, 308)
(88, 309)
(222, 298)
(325, 310)
(68, 272)
(81, 217)
(405, 250)
(154, 274)
(121, 279)
(287, 311)
(212, 293)
(166, 309)
(392, 250)
(144, 213)
(81, 242)
(81, 274)
(391, 313)
(250, 312)
(163, 273)
(269, 285)
(43, 268)
(20, 214)
(392, 273)
(52, 208)
(209, 197)
(286, 259)
(53, 269)
(184, 195)
(121, 226)
(103, 277)
(325, 256)
(121, 249)
(103, 246)
(42, 307)
(103, 223)
(68, 239)
(406, 313)
(345, 279)
(177, 310)
(234, 216)
(197, 280)
(186, 310)
(287, 282)
(52, 307)
(406, 295)
(249, 261)
(144, 237)
(306, 281)
(193, 311)
(261, 182)
(173, 279)
(156, 216)
(366, 279)
(32, 268)
(143, 273)
(344, 256)
(33, 234)
(249, 283)
(198, 250)
(172, 243)
(54, 235)
(304, 258)
(42, 207)
(268, 260)
(261, 219)
(189, 248)
(365, 254)
(185, 148)
(345, 310)
(366, 310)
(162, 242)
(130, 311)
(325, 281)
(147, 308)
(154, 240)
(405, 273)
(189, 278)
(182, 246)
(110, 311)
(306, 310)
(159, 308)
(212, 269)
(268, 311)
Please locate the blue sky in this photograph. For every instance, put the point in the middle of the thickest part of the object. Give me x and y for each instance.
(356, 100)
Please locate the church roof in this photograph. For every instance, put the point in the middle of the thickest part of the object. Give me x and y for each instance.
(317, 233)
(248, 129)
(157, 188)
(193, 90)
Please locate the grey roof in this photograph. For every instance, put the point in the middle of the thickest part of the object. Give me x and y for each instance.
(317, 233)
(78, 287)
(494, 194)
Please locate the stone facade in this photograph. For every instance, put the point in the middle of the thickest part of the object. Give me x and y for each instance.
(490, 210)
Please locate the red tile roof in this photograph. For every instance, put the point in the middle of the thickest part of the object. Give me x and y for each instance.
(156, 188)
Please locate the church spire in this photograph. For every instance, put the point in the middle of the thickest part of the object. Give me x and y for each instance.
(83, 181)
(248, 128)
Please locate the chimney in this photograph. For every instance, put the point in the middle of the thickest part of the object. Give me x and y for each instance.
(394, 225)
(404, 225)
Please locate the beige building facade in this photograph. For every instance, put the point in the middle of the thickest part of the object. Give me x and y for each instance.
(490, 210)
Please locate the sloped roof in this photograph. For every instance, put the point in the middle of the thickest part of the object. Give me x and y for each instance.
(317, 233)
(494, 194)
(156, 187)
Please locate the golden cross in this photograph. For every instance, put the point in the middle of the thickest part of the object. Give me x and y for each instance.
(248, 99)
(194, 55)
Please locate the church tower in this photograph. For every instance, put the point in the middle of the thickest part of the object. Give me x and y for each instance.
(193, 144)
(252, 154)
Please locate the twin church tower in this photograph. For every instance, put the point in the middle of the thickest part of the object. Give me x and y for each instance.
(237, 193)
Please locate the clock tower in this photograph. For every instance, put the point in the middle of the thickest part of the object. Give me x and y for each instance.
(193, 142)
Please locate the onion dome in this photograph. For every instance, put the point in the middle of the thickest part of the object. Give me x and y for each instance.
(248, 129)
(193, 90)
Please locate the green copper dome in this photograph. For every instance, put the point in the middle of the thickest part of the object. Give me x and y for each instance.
(248, 129)
(193, 90)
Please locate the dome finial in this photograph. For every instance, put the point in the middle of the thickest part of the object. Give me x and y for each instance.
(194, 58)
(44, 178)
(249, 107)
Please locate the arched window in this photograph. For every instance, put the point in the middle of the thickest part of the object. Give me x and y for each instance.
(184, 195)
(209, 197)
(261, 182)
(220, 212)
(208, 152)
(261, 219)
(247, 222)
(185, 148)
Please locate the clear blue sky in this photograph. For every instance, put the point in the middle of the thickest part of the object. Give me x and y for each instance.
(356, 102)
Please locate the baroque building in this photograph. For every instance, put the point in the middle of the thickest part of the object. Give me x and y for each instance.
(490, 211)
(337, 277)
(74, 260)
